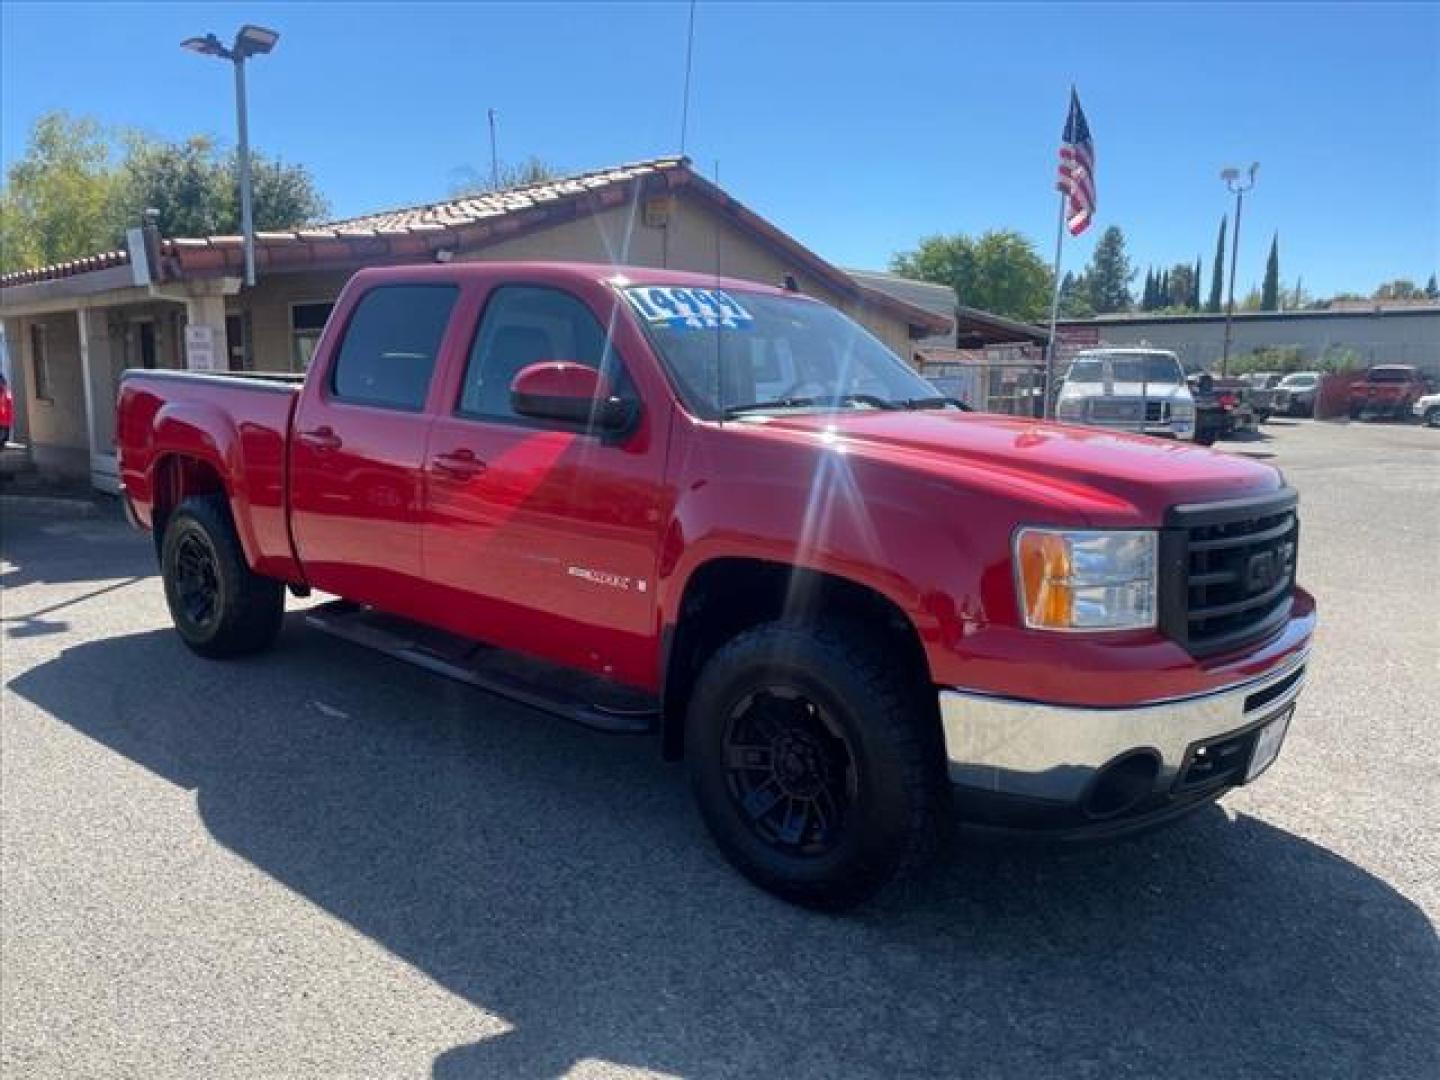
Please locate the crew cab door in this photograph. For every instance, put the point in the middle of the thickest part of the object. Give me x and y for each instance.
(358, 446)
(543, 536)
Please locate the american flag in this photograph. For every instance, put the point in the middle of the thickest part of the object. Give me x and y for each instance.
(1077, 168)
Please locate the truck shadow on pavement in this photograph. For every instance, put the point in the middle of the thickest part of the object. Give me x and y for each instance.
(559, 880)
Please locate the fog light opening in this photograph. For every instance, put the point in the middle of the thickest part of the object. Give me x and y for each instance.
(1121, 785)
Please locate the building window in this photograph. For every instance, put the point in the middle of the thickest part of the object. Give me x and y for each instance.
(306, 322)
(40, 363)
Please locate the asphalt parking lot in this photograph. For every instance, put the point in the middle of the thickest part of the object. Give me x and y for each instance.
(323, 863)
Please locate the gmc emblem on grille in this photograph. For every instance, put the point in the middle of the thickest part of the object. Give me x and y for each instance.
(1265, 568)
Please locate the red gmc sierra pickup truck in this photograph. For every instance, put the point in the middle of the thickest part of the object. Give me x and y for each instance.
(656, 501)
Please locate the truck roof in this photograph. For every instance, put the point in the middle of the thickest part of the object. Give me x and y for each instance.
(1134, 350)
(561, 271)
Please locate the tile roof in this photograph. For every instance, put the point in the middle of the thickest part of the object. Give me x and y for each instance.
(415, 233)
(470, 209)
(103, 261)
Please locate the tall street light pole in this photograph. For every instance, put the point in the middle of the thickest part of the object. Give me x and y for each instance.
(250, 41)
(1239, 187)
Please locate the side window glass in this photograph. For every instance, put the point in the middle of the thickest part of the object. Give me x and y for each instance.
(390, 345)
(525, 325)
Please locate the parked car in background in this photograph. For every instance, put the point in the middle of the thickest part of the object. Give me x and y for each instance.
(1260, 392)
(724, 513)
(7, 411)
(1387, 390)
(1427, 409)
(1296, 393)
(1220, 408)
(1139, 390)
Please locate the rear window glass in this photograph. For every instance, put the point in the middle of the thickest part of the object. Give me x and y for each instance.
(392, 340)
(1388, 374)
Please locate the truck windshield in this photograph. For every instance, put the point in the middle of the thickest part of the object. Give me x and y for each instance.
(731, 351)
(1126, 368)
(1302, 381)
(1387, 374)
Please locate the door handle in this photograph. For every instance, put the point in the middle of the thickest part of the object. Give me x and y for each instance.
(321, 438)
(460, 464)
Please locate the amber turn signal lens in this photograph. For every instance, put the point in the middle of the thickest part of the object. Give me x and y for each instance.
(1045, 578)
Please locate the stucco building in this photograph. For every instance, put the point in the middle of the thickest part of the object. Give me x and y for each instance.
(71, 329)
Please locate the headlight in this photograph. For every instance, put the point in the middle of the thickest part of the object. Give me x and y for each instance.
(1086, 579)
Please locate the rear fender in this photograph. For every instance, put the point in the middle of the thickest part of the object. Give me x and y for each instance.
(207, 433)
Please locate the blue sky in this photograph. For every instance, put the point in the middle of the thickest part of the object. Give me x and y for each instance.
(856, 128)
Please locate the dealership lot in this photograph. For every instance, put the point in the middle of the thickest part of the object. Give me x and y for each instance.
(321, 862)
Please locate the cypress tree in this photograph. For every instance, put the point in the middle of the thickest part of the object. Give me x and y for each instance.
(1162, 292)
(1432, 289)
(1270, 289)
(1194, 298)
(1147, 296)
(1217, 272)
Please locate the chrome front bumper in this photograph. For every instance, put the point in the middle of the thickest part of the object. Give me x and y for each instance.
(1052, 753)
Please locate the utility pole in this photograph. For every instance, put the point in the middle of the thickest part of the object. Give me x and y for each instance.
(1239, 186)
(494, 157)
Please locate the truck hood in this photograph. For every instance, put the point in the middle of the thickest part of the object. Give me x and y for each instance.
(1100, 474)
(1151, 391)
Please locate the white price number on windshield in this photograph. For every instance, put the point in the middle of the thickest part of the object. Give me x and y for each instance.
(688, 308)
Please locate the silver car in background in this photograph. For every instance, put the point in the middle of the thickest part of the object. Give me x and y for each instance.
(1296, 394)
(1139, 390)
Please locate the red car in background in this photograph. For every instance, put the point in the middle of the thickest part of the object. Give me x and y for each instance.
(7, 411)
(1388, 390)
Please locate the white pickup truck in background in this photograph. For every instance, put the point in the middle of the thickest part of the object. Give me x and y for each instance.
(1137, 390)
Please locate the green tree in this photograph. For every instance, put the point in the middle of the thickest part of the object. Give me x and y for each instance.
(1147, 293)
(1109, 273)
(1162, 293)
(1194, 300)
(1182, 286)
(531, 171)
(998, 271)
(56, 199)
(1432, 290)
(1075, 297)
(79, 187)
(194, 186)
(1270, 289)
(1217, 272)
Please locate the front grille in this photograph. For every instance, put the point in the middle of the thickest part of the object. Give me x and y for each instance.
(1107, 408)
(1228, 571)
(1157, 412)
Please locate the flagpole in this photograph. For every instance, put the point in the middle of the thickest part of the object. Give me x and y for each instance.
(1054, 313)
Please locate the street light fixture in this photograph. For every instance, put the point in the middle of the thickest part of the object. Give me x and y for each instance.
(250, 41)
(1239, 186)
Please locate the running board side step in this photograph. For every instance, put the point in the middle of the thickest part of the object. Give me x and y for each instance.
(571, 695)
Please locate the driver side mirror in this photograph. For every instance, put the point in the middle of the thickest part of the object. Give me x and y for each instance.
(572, 393)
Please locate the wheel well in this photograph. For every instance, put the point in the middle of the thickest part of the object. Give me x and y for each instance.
(179, 477)
(727, 596)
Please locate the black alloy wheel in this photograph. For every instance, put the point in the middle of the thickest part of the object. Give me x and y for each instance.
(789, 770)
(197, 579)
(220, 607)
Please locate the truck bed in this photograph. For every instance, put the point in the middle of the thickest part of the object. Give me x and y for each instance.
(236, 422)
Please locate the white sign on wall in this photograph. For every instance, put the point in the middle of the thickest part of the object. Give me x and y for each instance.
(200, 349)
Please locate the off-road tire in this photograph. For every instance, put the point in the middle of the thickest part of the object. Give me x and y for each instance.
(901, 811)
(247, 608)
